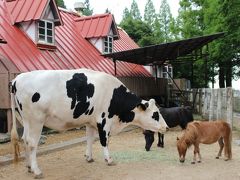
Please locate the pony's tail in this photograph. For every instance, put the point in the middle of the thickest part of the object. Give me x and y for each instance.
(228, 144)
(14, 133)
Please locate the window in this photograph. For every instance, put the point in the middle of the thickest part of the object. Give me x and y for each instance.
(167, 71)
(46, 32)
(108, 44)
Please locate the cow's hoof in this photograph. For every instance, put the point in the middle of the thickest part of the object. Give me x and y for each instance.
(29, 169)
(160, 145)
(199, 161)
(89, 160)
(111, 163)
(217, 157)
(39, 176)
(193, 162)
(226, 159)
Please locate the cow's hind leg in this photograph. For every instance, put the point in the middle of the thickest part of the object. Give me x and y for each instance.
(104, 132)
(24, 137)
(221, 145)
(32, 139)
(90, 134)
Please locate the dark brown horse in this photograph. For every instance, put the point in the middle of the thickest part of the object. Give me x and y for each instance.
(207, 133)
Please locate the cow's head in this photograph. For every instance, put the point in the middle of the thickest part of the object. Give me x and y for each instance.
(148, 117)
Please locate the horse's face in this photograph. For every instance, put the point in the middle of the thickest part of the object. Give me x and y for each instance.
(182, 149)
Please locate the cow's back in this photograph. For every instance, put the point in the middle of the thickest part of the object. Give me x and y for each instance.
(65, 94)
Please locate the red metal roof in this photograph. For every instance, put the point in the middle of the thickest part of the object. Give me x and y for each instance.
(26, 10)
(2, 39)
(96, 26)
(124, 42)
(72, 50)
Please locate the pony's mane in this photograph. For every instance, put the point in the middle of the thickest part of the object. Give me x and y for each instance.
(190, 134)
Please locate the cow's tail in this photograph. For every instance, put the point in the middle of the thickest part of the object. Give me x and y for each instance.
(14, 133)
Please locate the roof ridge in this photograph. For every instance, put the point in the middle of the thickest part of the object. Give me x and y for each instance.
(92, 17)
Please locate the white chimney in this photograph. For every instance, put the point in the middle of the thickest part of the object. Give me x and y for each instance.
(79, 7)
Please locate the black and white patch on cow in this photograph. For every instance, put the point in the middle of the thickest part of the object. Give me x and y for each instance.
(121, 107)
(65, 99)
(79, 90)
(35, 97)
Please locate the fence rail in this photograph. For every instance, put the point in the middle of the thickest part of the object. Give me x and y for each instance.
(212, 104)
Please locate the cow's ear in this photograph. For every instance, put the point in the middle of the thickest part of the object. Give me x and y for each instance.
(142, 106)
(152, 103)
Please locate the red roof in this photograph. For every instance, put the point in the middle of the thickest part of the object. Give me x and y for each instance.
(96, 26)
(26, 10)
(72, 50)
(124, 42)
(1, 39)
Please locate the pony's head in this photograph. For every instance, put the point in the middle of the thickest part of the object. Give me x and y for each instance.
(182, 149)
(188, 138)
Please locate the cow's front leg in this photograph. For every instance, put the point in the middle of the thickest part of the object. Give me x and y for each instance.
(104, 132)
(90, 134)
(160, 140)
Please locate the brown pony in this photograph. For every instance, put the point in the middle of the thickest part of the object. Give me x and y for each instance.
(207, 133)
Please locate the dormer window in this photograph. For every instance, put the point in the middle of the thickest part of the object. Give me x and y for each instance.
(108, 44)
(46, 32)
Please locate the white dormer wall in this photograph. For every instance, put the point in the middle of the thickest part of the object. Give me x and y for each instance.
(99, 42)
(31, 27)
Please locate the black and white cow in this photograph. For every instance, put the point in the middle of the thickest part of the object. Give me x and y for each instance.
(65, 99)
(173, 116)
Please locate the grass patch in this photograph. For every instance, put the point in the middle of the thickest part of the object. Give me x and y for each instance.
(139, 155)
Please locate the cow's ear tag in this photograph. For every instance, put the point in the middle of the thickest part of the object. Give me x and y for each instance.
(142, 107)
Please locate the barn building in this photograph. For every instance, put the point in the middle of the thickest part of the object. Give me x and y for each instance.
(36, 35)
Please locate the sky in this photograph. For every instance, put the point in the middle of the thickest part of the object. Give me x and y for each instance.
(116, 7)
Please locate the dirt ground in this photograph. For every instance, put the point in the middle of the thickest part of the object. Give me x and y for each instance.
(133, 162)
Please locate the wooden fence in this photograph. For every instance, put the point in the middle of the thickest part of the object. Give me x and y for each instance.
(212, 104)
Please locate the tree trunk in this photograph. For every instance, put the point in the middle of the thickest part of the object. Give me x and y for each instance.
(221, 76)
(229, 74)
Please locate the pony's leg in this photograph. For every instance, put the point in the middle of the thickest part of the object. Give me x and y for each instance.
(221, 145)
(196, 152)
(90, 134)
(194, 155)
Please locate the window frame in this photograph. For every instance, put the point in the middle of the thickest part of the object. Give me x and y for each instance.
(108, 44)
(46, 29)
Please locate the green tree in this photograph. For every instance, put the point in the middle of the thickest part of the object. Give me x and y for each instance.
(60, 3)
(150, 13)
(134, 11)
(165, 18)
(126, 14)
(138, 30)
(88, 11)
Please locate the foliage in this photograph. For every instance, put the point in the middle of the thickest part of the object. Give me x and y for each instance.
(134, 11)
(87, 11)
(60, 3)
(164, 18)
(150, 14)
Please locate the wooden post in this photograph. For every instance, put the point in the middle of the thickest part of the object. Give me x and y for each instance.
(206, 103)
(230, 106)
(219, 104)
(200, 102)
(211, 108)
(9, 120)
